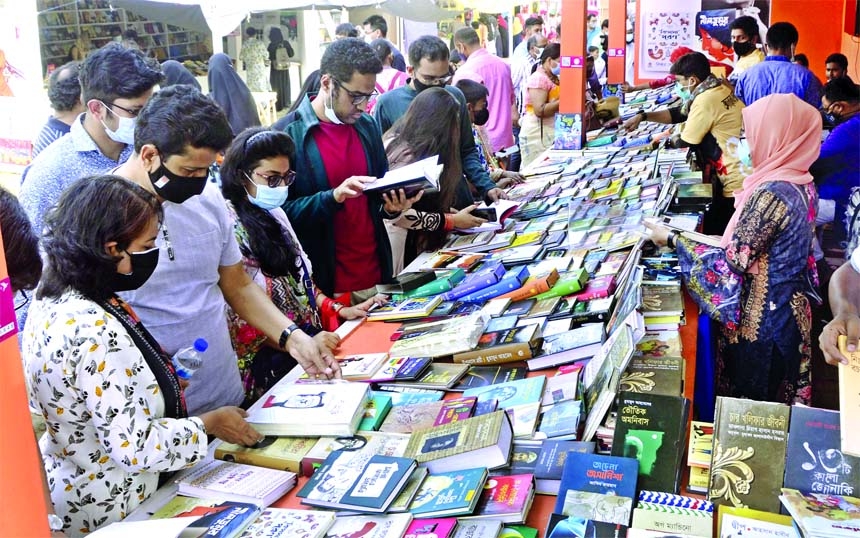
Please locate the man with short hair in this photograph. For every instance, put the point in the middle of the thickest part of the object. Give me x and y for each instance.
(532, 26)
(776, 74)
(837, 169)
(428, 67)
(495, 74)
(64, 93)
(338, 149)
(521, 68)
(375, 27)
(115, 84)
(745, 38)
(344, 30)
(178, 135)
(836, 66)
(592, 30)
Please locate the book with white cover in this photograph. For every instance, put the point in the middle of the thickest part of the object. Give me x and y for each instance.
(228, 481)
(382, 526)
(285, 523)
(420, 175)
(311, 409)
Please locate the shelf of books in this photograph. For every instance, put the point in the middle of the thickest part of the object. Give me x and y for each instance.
(534, 379)
(91, 24)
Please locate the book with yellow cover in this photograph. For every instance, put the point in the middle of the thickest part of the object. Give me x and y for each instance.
(284, 453)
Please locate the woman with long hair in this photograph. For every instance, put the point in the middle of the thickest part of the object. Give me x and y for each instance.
(115, 410)
(541, 98)
(255, 179)
(431, 126)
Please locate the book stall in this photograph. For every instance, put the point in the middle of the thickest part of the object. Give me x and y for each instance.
(532, 378)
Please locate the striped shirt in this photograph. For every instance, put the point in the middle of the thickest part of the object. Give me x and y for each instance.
(52, 130)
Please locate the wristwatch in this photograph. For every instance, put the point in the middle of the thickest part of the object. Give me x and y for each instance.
(643, 115)
(55, 522)
(285, 335)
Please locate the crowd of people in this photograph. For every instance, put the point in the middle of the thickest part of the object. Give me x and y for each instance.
(144, 251)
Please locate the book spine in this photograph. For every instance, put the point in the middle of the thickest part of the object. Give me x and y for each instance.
(496, 354)
(283, 463)
(561, 288)
(531, 289)
(671, 519)
(491, 292)
(470, 285)
(431, 288)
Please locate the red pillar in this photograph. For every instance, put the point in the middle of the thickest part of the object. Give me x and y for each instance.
(573, 53)
(615, 64)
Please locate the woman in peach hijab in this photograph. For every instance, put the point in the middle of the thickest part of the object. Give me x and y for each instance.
(768, 241)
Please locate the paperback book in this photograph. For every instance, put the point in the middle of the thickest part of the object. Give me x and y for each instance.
(236, 482)
(453, 493)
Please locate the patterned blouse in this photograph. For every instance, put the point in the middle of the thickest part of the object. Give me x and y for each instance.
(106, 439)
(255, 55)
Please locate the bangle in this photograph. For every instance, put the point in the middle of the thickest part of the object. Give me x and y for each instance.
(670, 240)
(449, 221)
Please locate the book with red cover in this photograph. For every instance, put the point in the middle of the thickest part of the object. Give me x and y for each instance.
(596, 288)
(532, 287)
(506, 498)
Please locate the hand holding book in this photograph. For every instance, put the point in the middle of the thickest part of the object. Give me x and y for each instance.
(463, 219)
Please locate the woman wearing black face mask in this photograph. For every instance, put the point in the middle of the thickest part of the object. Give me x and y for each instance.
(113, 404)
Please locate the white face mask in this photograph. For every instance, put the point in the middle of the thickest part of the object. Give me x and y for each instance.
(329, 109)
(124, 133)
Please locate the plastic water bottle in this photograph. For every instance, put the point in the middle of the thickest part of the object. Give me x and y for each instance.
(190, 358)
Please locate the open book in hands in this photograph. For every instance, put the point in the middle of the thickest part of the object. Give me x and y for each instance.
(420, 175)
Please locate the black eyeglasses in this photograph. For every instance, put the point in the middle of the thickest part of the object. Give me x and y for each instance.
(21, 300)
(132, 112)
(357, 97)
(275, 180)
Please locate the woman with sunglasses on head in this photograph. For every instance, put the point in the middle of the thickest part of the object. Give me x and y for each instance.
(255, 179)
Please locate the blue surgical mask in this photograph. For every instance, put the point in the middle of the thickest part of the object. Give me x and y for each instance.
(556, 70)
(683, 92)
(124, 133)
(744, 155)
(269, 198)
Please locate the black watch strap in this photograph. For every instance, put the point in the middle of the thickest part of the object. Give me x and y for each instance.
(643, 115)
(285, 335)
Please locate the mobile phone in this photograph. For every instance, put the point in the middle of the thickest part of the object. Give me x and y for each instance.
(488, 213)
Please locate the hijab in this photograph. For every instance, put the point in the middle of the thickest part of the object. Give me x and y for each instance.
(784, 134)
(176, 73)
(232, 94)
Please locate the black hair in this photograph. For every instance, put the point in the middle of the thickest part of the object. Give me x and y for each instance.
(91, 212)
(552, 50)
(267, 243)
(455, 57)
(20, 244)
(839, 59)
(381, 48)
(348, 56)
(841, 89)
(346, 29)
(467, 36)
(474, 91)
(592, 48)
(604, 24)
(130, 33)
(180, 116)
(114, 71)
(533, 21)
(275, 35)
(692, 64)
(310, 88)
(427, 47)
(781, 36)
(64, 87)
(801, 59)
(747, 25)
(377, 22)
(251, 31)
(590, 16)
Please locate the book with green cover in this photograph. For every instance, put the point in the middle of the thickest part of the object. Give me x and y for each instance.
(654, 375)
(748, 461)
(375, 412)
(445, 281)
(452, 493)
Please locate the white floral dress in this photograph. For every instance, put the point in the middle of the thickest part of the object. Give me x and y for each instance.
(107, 440)
(254, 55)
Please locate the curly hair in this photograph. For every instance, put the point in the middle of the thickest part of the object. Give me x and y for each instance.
(114, 71)
(64, 87)
(347, 56)
(267, 243)
(20, 243)
(90, 213)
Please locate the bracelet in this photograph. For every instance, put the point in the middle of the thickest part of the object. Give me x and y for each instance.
(671, 240)
(285, 335)
(449, 221)
(644, 115)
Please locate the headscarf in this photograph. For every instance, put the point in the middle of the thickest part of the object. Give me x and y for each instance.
(784, 134)
(176, 73)
(232, 94)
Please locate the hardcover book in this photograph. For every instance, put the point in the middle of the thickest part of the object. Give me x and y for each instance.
(748, 461)
(349, 481)
(284, 453)
(486, 439)
(411, 417)
(550, 463)
(592, 484)
(382, 526)
(210, 517)
(369, 442)
(440, 376)
(662, 375)
(506, 498)
(453, 493)
(360, 367)
(511, 345)
(570, 346)
(814, 462)
(414, 177)
(283, 523)
(562, 526)
(401, 502)
(659, 344)
(520, 398)
(377, 409)
(651, 428)
(484, 376)
(236, 482)
(456, 409)
(332, 408)
(560, 387)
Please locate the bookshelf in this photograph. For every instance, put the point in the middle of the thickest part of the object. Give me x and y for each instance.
(93, 24)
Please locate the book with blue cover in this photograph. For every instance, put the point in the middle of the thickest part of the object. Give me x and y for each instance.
(452, 493)
(355, 482)
(596, 473)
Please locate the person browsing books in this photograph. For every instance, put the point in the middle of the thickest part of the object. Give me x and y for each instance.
(114, 407)
(430, 127)
(338, 150)
(540, 97)
(255, 180)
(845, 303)
(177, 138)
(768, 247)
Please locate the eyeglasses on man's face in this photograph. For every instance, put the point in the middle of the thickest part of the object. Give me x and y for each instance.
(357, 97)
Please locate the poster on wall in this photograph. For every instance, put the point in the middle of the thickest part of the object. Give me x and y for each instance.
(701, 25)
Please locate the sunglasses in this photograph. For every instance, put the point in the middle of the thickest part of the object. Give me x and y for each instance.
(275, 180)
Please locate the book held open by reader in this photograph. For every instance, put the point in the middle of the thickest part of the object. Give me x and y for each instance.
(420, 175)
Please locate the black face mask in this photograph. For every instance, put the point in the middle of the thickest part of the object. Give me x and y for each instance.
(743, 48)
(482, 117)
(420, 86)
(142, 266)
(175, 188)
